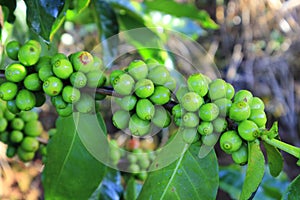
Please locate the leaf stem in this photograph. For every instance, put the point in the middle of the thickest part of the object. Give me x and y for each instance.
(295, 151)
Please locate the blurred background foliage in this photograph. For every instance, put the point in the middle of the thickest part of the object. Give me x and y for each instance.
(254, 44)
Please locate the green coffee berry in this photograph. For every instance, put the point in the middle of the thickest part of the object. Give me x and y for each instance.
(25, 100)
(95, 79)
(188, 134)
(257, 104)
(24, 155)
(114, 74)
(240, 156)
(29, 53)
(9, 115)
(15, 72)
(70, 94)
(205, 128)
(82, 61)
(17, 124)
(177, 111)
(65, 112)
(16, 136)
(182, 90)
(121, 119)
(161, 117)
(12, 48)
(229, 91)
(12, 106)
(159, 75)
(217, 89)
(239, 111)
(62, 68)
(224, 105)
(191, 101)
(243, 95)
(45, 72)
(248, 130)
(3, 124)
(28, 116)
(171, 84)
(11, 151)
(123, 84)
(230, 142)
(151, 63)
(197, 83)
(8, 91)
(58, 102)
(52, 86)
(78, 79)
(56, 57)
(144, 88)
(127, 102)
(32, 82)
(137, 126)
(138, 69)
(43, 61)
(33, 128)
(85, 104)
(29, 144)
(145, 109)
(208, 112)
(220, 125)
(259, 117)
(190, 120)
(161, 95)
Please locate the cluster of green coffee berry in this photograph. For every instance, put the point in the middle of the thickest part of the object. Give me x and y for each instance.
(144, 88)
(63, 78)
(136, 160)
(210, 108)
(20, 131)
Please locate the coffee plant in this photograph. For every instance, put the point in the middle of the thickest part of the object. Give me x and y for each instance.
(83, 160)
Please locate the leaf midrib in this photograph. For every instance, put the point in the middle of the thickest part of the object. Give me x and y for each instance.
(174, 171)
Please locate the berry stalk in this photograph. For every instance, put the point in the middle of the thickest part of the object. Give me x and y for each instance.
(295, 151)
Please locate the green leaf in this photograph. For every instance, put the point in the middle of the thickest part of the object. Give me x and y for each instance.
(110, 187)
(133, 188)
(188, 177)
(181, 10)
(293, 191)
(44, 17)
(8, 8)
(255, 170)
(77, 6)
(275, 159)
(71, 172)
(107, 23)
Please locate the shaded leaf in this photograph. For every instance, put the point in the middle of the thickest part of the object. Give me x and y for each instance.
(275, 159)
(71, 172)
(108, 26)
(45, 17)
(181, 10)
(8, 8)
(133, 188)
(110, 188)
(76, 7)
(293, 191)
(255, 170)
(188, 177)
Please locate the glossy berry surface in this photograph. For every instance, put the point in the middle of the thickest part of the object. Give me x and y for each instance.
(29, 53)
(259, 117)
(205, 128)
(230, 141)
(197, 83)
(240, 156)
(190, 120)
(144, 88)
(127, 103)
(161, 95)
(145, 109)
(159, 75)
(123, 84)
(120, 119)
(8, 90)
(217, 89)
(161, 117)
(191, 101)
(32, 82)
(33, 128)
(52, 86)
(248, 130)
(25, 100)
(78, 79)
(12, 49)
(62, 68)
(15, 72)
(243, 95)
(208, 112)
(138, 69)
(137, 126)
(30, 144)
(239, 111)
(70, 94)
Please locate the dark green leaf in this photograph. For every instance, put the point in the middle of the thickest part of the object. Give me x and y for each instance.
(293, 191)
(133, 188)
(71, 172)
(45, 17)
(275, 160)
(188, 177)
(181, 10)
(255, 170)
(8, 8)
(108, 26)
(76, 7)
(110, 188)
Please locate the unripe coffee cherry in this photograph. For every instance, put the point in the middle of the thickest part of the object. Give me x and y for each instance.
(62, 68)
(191, 101)
(217, 89)
(29, 53)
(229, 91)
(138, 69)
(208, 112)
(161, 117)
(224, 105)
(198, 84)
(25, 100)
(243, 95)
(52, 86)
(137, 126)
(82, 61)
(15, 72)
(240, 156)
(123, 84)
(127, 102)
(239, 111)
(205, 128)
(248, 130)
(145, 109)
(161, 95)
(190, 120)
(159, 75)
(259, 117)
(144, 88)
(230, 142)
(12, 48)
(257, 104)
(8, 91)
